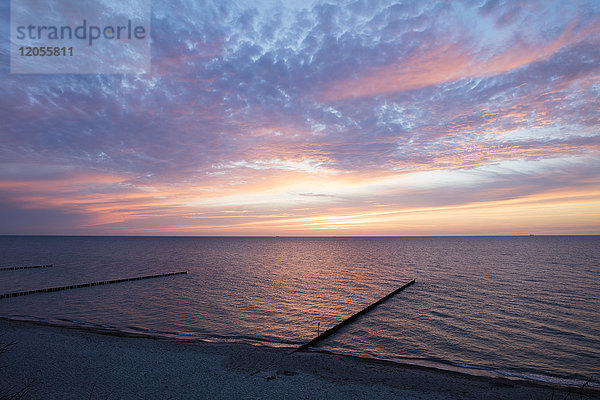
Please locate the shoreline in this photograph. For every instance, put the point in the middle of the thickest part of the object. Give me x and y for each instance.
(80, 362)
(555, 382)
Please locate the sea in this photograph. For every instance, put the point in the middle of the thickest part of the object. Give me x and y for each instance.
(521, 307)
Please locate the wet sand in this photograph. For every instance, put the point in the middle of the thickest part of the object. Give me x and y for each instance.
(57, 362)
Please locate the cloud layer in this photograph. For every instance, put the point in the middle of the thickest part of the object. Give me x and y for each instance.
(354, 117)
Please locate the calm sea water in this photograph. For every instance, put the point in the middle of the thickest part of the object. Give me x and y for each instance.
(517, 306)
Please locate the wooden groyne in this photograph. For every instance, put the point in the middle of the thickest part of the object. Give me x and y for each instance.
(352, 318)
(26, 267)
(82, 285)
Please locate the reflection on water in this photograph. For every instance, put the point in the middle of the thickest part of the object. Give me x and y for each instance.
(524, 305)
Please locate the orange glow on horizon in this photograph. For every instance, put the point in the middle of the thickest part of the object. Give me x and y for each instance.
(308, 203)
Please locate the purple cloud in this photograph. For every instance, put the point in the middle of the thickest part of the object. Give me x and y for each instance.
(345, 87)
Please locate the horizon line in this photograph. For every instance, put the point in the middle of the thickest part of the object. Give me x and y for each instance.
(302, 236)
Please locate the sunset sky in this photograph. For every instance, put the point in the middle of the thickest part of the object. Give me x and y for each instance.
(317, 118)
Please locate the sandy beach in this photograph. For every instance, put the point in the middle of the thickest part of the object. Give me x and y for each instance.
(60, 363)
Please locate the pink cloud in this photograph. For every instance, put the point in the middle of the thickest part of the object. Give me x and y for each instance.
(448, 62)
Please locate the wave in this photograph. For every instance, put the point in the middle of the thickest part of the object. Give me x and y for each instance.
(473, 370)
(153, 333)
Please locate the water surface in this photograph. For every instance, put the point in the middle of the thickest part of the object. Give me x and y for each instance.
(521, 306)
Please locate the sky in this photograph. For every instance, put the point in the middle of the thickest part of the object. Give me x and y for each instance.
(317, 118)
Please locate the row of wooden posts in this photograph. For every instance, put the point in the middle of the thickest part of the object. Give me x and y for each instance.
(320, 336)
(26, 267)
(351, 318)
(82, 285)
